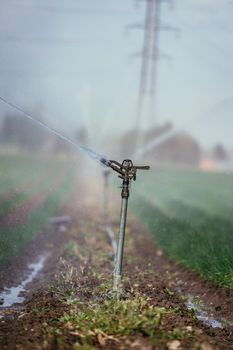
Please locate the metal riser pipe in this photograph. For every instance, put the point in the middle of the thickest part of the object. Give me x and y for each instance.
(117, 275)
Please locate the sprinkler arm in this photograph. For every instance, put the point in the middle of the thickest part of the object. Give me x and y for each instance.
(127, 170)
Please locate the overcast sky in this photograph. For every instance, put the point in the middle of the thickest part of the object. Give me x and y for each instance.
(73, 59)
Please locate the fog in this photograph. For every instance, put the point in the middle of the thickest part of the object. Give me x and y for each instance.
(78, 65)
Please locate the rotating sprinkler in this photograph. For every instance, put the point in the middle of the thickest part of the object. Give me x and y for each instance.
(127, 172)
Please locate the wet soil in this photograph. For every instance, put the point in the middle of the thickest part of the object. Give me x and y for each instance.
(184, 281)
(33, 325)
(49, 241)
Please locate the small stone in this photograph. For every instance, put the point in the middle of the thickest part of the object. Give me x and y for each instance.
(62, 228)
(139, 344)
(174, 345)
(159, 253)
(206, 346)
(198, 331)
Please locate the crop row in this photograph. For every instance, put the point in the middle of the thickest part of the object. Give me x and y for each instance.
(189, 214)
(55, 181)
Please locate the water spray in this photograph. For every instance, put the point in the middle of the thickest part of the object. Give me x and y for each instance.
(127, 172)
(90, 152)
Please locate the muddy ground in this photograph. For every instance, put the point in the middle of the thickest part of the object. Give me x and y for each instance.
(77, 277)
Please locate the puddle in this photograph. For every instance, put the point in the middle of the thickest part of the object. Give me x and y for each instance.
(13, 295)
(202, 313)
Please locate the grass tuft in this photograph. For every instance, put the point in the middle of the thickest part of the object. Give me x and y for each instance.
(98, 322)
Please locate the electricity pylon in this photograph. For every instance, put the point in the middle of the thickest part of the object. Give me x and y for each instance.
(150, 55)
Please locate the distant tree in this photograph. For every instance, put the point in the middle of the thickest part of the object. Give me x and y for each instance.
(220, 153)
(181, 148)
(23, 133)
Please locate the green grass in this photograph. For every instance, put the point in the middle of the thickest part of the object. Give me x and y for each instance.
(116, 318)
(13, 239)
(19, 170)
(11, 203)
(95, 323)
(190, 217)
(211, 192)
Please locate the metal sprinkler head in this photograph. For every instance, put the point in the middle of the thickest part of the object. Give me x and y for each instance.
(126, 169)
(127, 172)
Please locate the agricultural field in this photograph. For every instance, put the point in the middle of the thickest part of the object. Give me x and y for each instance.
(189, 214)
(70, 303)
(31, 190)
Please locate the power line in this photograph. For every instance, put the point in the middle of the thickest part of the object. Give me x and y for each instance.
(49, 41)
(40, 74)
(71, 11)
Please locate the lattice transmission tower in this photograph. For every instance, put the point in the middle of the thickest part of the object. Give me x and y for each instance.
(150, 56)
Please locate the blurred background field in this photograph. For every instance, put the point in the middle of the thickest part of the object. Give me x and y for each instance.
(189, 215)
(32, 188)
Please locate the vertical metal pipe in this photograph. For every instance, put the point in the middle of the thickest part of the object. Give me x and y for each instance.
(127, 173)
(117, 274)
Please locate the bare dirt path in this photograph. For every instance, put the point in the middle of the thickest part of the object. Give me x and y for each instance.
(49, 240)
(79, 268)
(19, 215)
(5, 196)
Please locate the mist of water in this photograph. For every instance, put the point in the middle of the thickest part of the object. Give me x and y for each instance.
(155, 143)
(94, 155)
(90, 152)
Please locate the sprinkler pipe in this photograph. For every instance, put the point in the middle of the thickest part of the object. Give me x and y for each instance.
(127, 172)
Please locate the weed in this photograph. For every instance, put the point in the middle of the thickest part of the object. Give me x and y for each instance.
(78, 346)
(193, 313)
(181, 333)
(40, 311)
(98, 322)
(73, 250)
